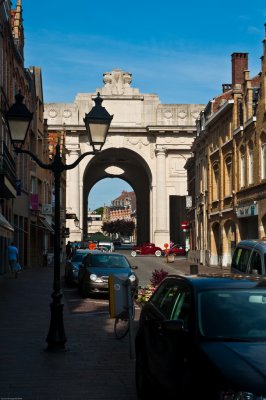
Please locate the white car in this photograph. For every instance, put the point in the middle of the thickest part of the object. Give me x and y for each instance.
(106, 245)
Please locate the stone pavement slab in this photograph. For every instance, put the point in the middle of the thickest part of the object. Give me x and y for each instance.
(96, 365)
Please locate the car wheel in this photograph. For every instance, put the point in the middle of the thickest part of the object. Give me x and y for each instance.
(145, 389)
(133, 253)
(158, 253)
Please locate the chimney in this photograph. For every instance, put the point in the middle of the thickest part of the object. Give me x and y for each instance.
(239, 65)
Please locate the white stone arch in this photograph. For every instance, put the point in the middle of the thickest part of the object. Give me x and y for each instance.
(156, 133)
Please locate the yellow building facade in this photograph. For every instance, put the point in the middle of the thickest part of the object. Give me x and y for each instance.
(230, 167)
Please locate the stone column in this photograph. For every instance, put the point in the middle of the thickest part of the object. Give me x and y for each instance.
(73, 195)
(161, 235)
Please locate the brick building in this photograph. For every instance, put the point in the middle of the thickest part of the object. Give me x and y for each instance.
(229, 166)
(24, 187)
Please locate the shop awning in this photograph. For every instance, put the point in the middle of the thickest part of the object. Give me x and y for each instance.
(42, 223)
(46, 225)
(6, 229)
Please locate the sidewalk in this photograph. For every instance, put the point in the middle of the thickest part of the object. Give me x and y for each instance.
(182, 266)
(97, 366)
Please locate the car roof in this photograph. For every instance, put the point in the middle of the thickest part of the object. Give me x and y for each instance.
(109, 254)
(87, 251)
(221, 281)
(258, 243)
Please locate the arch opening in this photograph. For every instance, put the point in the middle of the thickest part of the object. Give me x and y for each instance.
(132, 169)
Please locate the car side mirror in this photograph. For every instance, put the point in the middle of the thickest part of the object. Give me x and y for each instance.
(134, 267)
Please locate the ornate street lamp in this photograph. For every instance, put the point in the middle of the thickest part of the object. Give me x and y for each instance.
(18, 119)
(97, 122)
(76, 222)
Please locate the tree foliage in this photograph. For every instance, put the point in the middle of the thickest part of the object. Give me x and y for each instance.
(99, 210)
(120, 227)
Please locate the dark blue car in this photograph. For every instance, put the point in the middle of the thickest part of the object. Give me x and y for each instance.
(203, 336)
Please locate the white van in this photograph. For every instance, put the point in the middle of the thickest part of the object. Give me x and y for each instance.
(106, 245)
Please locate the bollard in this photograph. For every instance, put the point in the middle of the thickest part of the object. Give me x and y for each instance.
(194, 269)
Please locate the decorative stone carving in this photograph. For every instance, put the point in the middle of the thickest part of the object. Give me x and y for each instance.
(168, 114)
(182, 114)
(152, 150)
(67, 113)
(52, 113)
(177, 166)
(117, 82)
(138, 141)
(195, 114)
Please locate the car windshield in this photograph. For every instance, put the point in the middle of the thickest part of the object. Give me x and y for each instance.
(233, 314)
(109, 261)
(78, 257)
(104, 246)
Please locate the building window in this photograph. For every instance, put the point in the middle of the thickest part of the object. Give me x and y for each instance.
(251, 164)
(242, 169)
(215, 191)
(263, 161)
(228, 176)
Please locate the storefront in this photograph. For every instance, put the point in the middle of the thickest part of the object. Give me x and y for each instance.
(248, 221)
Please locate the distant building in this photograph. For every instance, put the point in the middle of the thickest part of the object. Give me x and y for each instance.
(123, 207)
(94, 222)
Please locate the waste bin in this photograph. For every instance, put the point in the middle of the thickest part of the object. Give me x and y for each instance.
(194, 269)
(170, 258)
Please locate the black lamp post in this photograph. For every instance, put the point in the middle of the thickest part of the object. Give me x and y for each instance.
(97, 122)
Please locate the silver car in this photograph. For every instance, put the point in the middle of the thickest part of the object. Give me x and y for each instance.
(72, 265)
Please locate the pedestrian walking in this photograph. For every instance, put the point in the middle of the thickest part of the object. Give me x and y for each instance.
(12, 253)
(68, 249)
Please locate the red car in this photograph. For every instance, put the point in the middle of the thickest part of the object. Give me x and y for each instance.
(177, 250)
(145, 249)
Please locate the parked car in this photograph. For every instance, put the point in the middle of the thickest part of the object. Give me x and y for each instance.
(117, 242)
(126, 240)
(94, 273)
(109, 246)
(249, 257)
(145, 249)
(203, 336)
(73, 264)
(177, 250)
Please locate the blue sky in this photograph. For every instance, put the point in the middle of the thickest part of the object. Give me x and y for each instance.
(178, 50)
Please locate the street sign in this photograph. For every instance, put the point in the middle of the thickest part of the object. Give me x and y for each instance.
(188, 201)
(185, 226)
